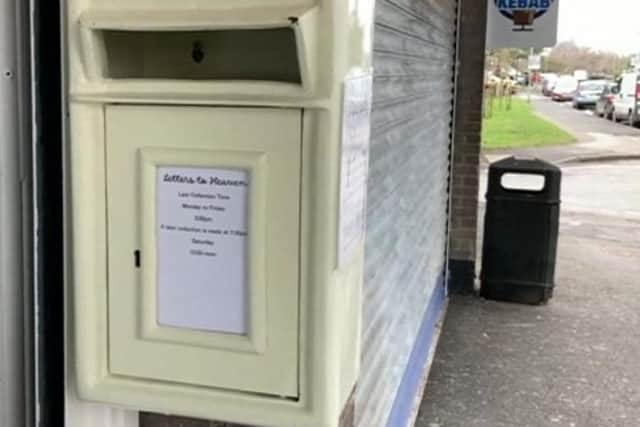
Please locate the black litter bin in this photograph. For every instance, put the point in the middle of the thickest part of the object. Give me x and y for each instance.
(521, 231)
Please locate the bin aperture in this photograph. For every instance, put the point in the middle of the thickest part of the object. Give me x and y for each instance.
(522, 182)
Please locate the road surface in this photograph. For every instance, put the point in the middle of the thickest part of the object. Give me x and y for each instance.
(581, 123)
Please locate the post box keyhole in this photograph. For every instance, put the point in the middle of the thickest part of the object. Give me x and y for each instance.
(197, 52)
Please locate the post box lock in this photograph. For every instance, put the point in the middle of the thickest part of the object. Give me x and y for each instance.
(197, 52)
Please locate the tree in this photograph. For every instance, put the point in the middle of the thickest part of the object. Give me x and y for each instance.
(500, 61)
(568, 57)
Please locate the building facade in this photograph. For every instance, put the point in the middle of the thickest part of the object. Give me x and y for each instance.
(428, 60)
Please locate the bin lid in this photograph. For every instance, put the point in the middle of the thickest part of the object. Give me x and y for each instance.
(525, 164)
(549, 190)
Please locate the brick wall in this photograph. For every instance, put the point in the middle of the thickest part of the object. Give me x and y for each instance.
(468, 128)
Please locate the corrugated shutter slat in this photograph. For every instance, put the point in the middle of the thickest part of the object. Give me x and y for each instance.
(407, 196)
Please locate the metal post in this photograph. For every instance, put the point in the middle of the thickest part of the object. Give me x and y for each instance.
(529, 86)
(15, 230)
(49, 240)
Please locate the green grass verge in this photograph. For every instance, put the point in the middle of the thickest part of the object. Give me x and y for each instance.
(520, 127)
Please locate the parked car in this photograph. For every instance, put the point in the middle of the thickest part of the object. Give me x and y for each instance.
(625, 103)
(604, 104)
(588, 93)
(565, 89)
(522, 79)
(548, 83)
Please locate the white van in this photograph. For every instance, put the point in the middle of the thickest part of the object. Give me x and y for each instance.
(625, 103)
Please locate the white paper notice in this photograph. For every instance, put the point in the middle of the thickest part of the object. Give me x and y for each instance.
(356, 129)
(202, 248)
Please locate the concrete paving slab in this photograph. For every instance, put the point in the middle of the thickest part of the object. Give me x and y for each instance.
(572, 362)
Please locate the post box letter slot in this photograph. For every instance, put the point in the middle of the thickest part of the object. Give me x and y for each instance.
(260, 54)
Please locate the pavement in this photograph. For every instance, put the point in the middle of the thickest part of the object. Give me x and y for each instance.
(573, 362)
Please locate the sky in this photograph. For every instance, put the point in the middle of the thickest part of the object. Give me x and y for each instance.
(611, 25)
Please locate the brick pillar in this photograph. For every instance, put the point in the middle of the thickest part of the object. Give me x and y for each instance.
(466, 158)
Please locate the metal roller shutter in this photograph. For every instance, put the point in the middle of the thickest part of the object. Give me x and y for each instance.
(414, 51)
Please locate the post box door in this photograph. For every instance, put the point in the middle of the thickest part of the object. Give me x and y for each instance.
(203, 234)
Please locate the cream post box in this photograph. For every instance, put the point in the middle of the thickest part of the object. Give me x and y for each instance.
(218, 157)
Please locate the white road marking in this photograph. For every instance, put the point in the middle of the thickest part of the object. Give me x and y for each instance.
(570, 206)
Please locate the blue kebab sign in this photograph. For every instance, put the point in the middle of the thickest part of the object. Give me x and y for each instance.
(523, 13)
(522, 23)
